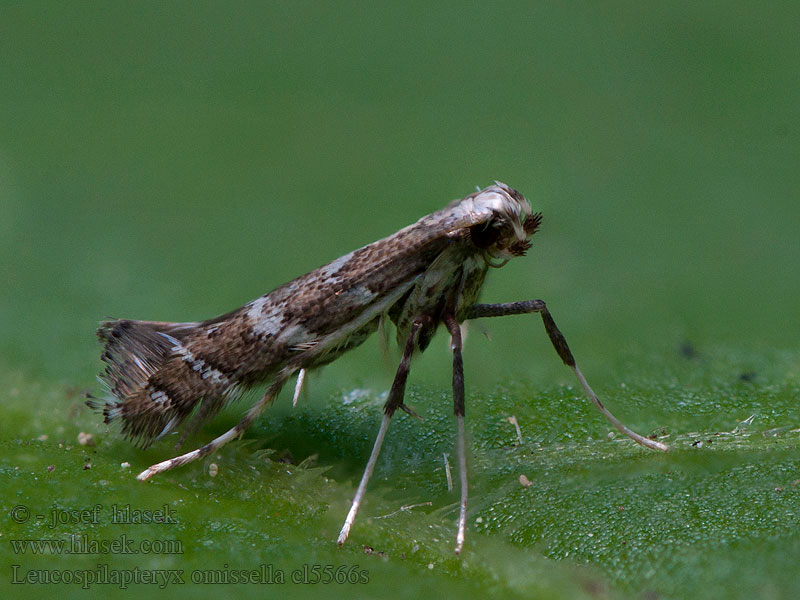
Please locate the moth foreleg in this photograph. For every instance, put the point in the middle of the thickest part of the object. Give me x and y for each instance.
(560, 344)
(393, 402)
(459, 410)
(220, 441)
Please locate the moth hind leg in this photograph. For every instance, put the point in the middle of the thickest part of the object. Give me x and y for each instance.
(562, 348)
(218, 442)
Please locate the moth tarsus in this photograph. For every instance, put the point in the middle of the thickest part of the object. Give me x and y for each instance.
(298, 387)
(430, 273)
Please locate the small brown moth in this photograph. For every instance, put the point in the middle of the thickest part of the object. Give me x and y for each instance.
(427, 274)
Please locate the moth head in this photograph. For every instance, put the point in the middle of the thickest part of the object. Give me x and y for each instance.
(503, 221)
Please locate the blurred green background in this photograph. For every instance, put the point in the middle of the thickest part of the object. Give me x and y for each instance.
(172, 161)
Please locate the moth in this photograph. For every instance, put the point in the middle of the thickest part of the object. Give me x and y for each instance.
(427, 275)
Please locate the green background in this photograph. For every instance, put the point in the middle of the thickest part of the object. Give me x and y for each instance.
(172, 161)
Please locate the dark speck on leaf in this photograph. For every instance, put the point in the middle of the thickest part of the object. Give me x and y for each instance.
(287, 458)
(687, 350)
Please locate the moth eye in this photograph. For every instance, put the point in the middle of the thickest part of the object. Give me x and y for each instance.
(485, 234)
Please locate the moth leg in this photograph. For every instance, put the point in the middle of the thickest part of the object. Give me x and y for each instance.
(394, 402)
(220, 441)
(459, 410)
(560, 344)
(301, 377)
